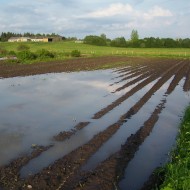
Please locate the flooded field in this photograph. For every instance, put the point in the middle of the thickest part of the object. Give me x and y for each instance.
(90, 130)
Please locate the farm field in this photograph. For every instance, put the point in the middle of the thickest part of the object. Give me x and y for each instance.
(102, 129)
(90, 50)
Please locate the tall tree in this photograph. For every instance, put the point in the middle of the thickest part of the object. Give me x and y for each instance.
(134, 36)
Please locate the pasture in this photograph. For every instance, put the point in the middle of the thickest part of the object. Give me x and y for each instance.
(65, 47)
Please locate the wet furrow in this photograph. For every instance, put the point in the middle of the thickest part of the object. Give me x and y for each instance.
(186, 86)
(9, 174)
(114, 104)
(148, 95)
(122, 69)
(139, 78)
(132, 70)
(59, 174)
(136, 74)
(67, 134)
(117, 125)
(109, 173)
(181, 73)
(172, 84)
(152, 68)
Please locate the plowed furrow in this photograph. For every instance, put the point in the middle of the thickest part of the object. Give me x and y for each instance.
(178, 76)
(186, 86)
(57, 174)
(148, 95)
(9, 175)
(109, 173)
(164, 76)
(141, 77)
(123, 69)
(67, 134)
(65, 172)
(132, 69)
(122, 119)
(134, 75)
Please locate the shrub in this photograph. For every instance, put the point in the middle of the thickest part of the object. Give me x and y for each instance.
(11, 53)
(75, 53)
(23, 47)
(95, 40)
(3, 52)
(43, 53)
(26, 55)
(119, 42)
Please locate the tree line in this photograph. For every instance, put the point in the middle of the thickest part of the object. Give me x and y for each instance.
(102, 40)
(6, 35)
(135, 42)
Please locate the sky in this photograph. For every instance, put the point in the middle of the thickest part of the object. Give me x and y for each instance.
(115, 18)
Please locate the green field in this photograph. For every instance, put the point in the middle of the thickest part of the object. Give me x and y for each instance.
(90, 50)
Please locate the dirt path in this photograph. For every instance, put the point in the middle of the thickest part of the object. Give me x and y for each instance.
(66, 173)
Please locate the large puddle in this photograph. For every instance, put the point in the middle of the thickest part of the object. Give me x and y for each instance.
(34, 109)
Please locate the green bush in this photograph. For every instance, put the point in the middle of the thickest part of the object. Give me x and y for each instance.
(26, 55)
(95, 40)
(43, 53)
(75, 53)
(11, 53)
(3, 52)
(23, 47)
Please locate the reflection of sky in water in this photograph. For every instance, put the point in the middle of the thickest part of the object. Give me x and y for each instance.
(154, 151)
(130, 127)
(34, 108)
(83, 136)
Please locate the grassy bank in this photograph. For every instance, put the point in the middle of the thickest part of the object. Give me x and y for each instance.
(177, 172)
(65, 47)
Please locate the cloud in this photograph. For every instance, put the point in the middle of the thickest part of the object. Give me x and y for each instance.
(81, 18)
(157, 11)
(112, 10)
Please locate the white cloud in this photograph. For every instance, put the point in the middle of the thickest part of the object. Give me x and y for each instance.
(80, 18)
(112, 10)
(157, 11)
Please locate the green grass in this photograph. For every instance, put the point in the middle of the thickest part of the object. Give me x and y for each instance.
(177, 172)
(90, 50)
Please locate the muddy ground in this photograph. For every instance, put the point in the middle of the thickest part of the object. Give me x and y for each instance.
(66, 173)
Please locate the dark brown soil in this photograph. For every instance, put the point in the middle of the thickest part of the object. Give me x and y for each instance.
(66, 173)
(13, 70)
(67, 134)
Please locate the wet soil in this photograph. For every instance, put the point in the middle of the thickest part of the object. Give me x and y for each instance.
(65, 173)
(67, 134)
(13, 70)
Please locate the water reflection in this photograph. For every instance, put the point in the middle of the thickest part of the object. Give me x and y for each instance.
(38, 107)
(154, 151)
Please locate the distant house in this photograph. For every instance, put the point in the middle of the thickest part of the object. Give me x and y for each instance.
(37, 39)
(78, 41)
(33, 39)
(19, 39)
(42, 39)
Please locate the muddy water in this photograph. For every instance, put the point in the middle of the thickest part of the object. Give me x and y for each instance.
(83, 136)
(130, 127)
(155, 149)
(33, 109)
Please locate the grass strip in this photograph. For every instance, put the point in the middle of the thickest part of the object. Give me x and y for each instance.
(177, 172)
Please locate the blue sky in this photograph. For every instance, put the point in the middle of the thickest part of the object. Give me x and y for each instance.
(115, 18)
